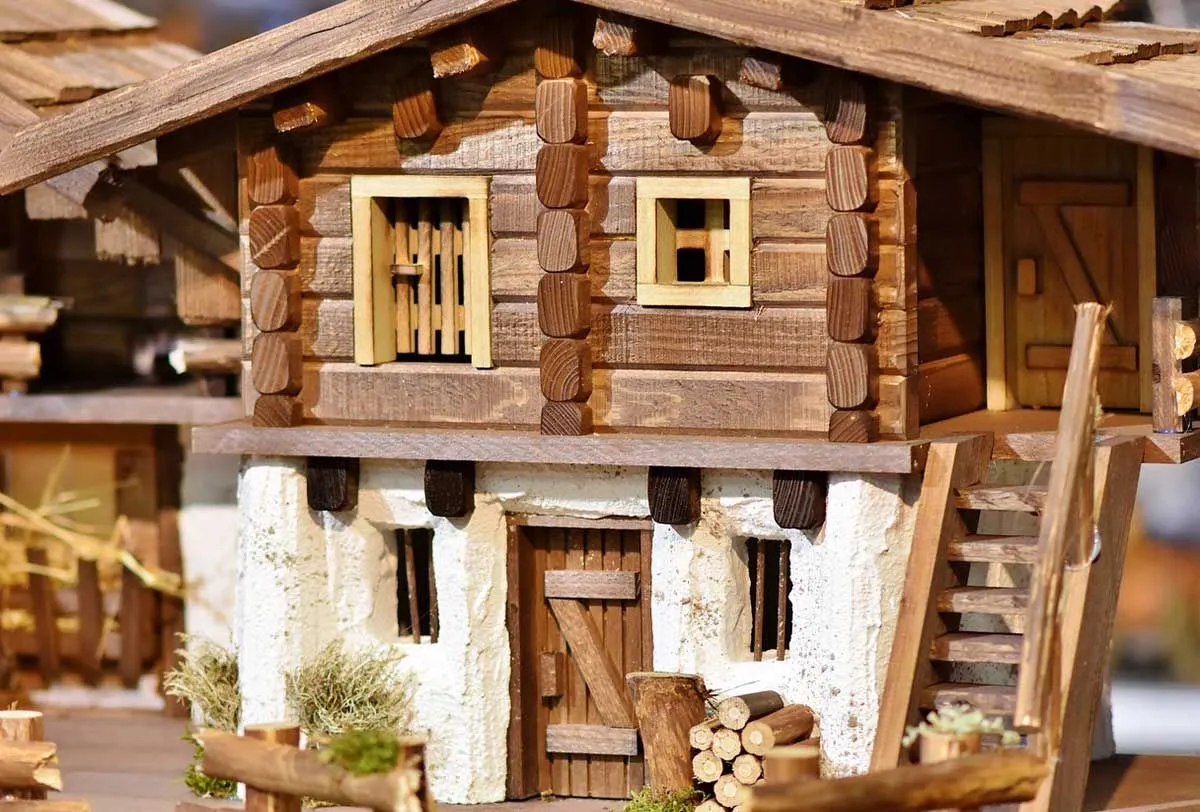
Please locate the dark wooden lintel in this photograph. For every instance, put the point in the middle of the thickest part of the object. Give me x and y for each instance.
(674, 494)
(450, 488)
(332, 483)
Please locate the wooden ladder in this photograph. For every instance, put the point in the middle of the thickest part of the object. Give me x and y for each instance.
(938, 655)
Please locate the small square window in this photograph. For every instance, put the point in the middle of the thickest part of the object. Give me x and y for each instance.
(694, 242)
(416, 588)
(768, 561)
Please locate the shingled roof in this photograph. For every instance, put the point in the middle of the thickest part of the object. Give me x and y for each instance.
(1063, 62)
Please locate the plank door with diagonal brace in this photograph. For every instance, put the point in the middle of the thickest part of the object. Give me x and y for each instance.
(1070, 236)
(584, 588)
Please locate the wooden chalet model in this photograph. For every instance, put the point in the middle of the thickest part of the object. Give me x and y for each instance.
(106, 273)
(514, 272)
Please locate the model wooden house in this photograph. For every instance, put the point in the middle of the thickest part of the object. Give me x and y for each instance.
(601, 296)
(104, 271)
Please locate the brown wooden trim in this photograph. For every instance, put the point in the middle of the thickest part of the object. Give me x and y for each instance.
(605, 523)
(596, 740)
(591, 585)
(523, 758)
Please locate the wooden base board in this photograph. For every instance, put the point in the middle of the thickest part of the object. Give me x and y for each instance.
(145, 406)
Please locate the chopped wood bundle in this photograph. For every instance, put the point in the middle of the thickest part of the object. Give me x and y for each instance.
(727, 744)
(736, 711)
(29, 765)
(784, 726)
(747, 769)
(730, 792)
(292, 771)
(701, 735)
(707, 766)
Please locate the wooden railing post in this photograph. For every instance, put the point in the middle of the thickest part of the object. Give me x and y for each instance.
(1174, 346)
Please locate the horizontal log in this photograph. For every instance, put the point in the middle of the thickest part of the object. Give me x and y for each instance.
(29, 765)
(797, 208)
(20, 360)
(595, 740)
(591, 585)
(207, 356)
(951, 386)
(1186, 333)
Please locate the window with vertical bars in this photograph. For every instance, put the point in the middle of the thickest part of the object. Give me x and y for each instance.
(696, 237)
(430, 276)
(770, 587)
(416, 588)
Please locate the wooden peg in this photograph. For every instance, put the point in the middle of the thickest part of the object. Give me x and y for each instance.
(563, 240)
(850, 245)
(849, 178)
(564, 304)
(848, 308)
(332, 483)
(450, 488)
(271, 177)
(277, 365)
(557, 53)
(852, 427)
(849, 371)
(562, 176)
(275, 237)
(414, 108)
(846, 109)
(277, 412)
(762, 69)
(674, 494)
(310, 106)
(562, 111)
(694, 108)
(566, 418)
(275, 301)
(465, 50)
(619, 35)
(566, 370)
(799, 499)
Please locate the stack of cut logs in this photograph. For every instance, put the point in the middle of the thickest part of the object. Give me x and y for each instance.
(752, 738)
(29, 766)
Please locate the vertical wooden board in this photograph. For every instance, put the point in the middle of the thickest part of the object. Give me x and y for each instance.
(542, 642)
(576, 556)
(645, 567)
(523, 759)
(614, 641)
(999, 384)
(136, 472)
(555, 541)
(593, 560)
(633, 616)
(206, 291)
(91, 620)
(45, 617)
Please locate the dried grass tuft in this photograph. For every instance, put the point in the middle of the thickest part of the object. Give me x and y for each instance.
(207, 677)
(341, 690)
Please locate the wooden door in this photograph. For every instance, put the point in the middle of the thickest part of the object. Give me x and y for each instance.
(580, 624)
(1070, 235)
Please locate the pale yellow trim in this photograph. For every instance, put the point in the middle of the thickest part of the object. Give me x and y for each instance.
(374, 304)
(652, 289)
(999, 394)
(1147, 273)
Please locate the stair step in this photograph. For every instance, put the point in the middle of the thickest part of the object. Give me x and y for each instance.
(996, 700)
(984, 600)
(995, 549)
(1023, 498)
(977, 647)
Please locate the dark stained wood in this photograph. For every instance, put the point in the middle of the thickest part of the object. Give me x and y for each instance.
(563, 240)
(850, 245)
(449, 488)
(566, 418)
(135, 603)
(465, 50)
(849, 184)
(799, 499)
(848, 309)
(277, 411)
(45, 616)
(564, 305)
(275, 236)
(849, 376)
(277, 365)
(91, 620)
(275, 301)
(562, 176)
(694, 107)
(1177, 224)
(332, 483)
(846, 109)
(763, 69)
(557, 54)
(527, 671)
(596, 740)
(852, 426)
(271, 175)
(674, 494)
(414, 110)
(566, 370)
(562, 111)
(303, 108)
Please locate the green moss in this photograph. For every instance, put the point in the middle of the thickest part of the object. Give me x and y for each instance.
(363, 752)
(201, 785)
(649, 800)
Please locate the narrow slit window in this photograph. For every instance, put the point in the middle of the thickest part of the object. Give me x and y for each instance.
(416, 588)
(770, 587)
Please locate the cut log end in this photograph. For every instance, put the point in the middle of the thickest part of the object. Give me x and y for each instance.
(736, 711)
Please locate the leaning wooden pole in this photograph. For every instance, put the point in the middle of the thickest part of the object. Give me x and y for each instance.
(994, 778)
(667, 706)
(289, 770)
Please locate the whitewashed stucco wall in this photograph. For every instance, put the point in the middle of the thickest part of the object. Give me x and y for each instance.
(208, 533)
(306, 578)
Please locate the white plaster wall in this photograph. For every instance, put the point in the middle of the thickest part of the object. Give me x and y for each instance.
(305, 578)
(208, 532)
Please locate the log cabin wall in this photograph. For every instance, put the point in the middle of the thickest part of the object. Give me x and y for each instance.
(945, 140)
(757, 369)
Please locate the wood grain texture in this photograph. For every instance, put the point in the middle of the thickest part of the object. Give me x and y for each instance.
(258, 800)
(275, 301)
(566, 418)
(674, 494)
(557, 53)
(848, 309)
(277, 411)
(594, 740)
(667, 706)
(799, 498)
(566, 370)
(414, 108)
(591, 585)
(464, 50)
(564, 305)
(846, 109)
(277, 364)
(850, 370)
(694, 108)
(271, 177)
(848, 178)
(605, 684)
(562, 176)
(449, 487)
(563, 240)
(850, 245)
(853, 426)
(764, 70)
(275, 236)
(332, 483)
(620, 35)
(561, 111)
(310, 106)
(206, 293)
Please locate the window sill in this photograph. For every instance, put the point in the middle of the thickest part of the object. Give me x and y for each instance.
(693, 295)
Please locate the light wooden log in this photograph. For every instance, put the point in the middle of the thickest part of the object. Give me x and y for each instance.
(1186, 333)
(727, 744)
(20, 360)
(449, 280)
(784, 726)
(701, 735)
(666, 707)
(280, 768)
(29, 765)
(207, 356)
(707, 766)
(425, 283)
(23, 726)
(256, 799)
(994, 778)
(792, 763)
(747, 768)
(709, 805)
(736, 711)
(1166, 313)
(936, 747)
(1187, 388)
(729, 792)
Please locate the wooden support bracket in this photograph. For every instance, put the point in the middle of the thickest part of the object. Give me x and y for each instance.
(557, 53)
(846, 109)
(271, 177)
(465, 50)
(694, 108)
(275, 237)
(449, 488)
(674, 495)
(414, 108)
(562, 111)
(310, 106)
(332, 483)
(799, 499)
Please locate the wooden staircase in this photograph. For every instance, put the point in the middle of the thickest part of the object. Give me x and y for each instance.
(960, 639)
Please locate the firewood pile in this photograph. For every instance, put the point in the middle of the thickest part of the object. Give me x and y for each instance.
(29, 766)
(752, 738)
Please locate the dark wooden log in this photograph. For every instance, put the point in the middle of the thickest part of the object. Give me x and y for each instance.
(784, 726)
(736, 711)
(332, 483)
(666, 707)
(674, 494)
(799, 498)
(449, 488)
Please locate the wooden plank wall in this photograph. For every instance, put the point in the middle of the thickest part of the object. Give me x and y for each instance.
(945, 142)
(1177, 220)
(760, 370)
